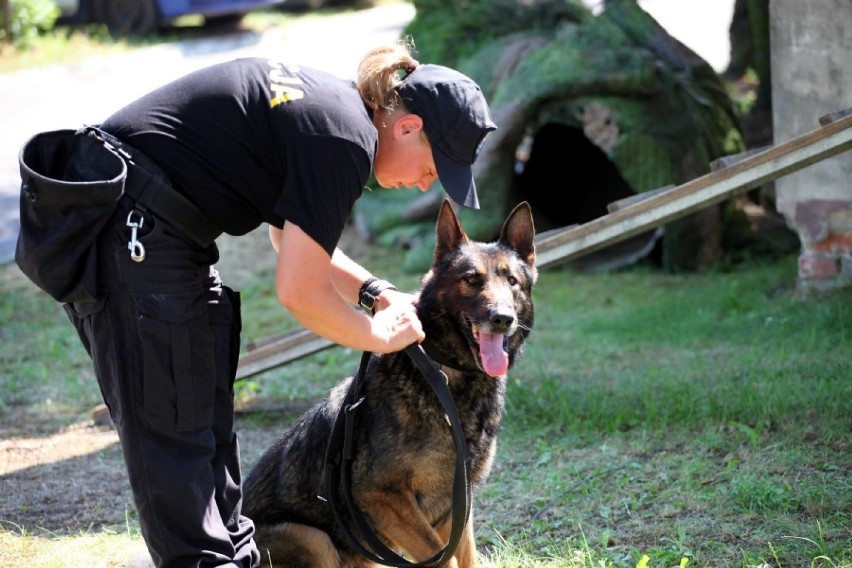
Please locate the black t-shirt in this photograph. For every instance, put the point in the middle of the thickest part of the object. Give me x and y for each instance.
(255, 140)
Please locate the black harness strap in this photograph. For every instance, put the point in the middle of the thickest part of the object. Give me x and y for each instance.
(339, 456)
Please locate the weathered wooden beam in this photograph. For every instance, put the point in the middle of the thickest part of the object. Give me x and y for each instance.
(714, 187)
(726, 161)
(278, 351)
(833, 116)
(630, 200)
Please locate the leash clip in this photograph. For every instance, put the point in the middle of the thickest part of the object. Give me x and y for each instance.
(137, 250)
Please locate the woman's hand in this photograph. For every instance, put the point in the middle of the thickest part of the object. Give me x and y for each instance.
(398, 323)
(390, 297)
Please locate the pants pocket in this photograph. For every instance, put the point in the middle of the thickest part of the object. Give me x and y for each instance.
(93, 323)
(177, 350)
(81, 315)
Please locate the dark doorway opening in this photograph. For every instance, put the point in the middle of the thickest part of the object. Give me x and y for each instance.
(568, 180)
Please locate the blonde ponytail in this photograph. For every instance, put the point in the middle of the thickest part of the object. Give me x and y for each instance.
(381, 70)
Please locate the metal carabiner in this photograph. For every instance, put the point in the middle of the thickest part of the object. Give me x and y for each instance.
(137, 250)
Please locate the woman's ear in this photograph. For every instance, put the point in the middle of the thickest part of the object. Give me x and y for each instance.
(406, 124)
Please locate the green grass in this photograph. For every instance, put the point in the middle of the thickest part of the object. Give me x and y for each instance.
(727, 348)
(113, 548)
(703, 417)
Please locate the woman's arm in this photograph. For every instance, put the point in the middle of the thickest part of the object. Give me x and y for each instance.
(348, 276)
(318, 290)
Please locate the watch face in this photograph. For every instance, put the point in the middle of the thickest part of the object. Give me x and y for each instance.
(368, 302)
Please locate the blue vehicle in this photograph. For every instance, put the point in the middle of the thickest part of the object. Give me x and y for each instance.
(139, 17)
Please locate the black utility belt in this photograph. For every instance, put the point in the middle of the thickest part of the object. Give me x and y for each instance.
(150, 190)
(150, 193)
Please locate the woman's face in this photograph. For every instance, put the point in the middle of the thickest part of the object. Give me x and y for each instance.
(404, 156)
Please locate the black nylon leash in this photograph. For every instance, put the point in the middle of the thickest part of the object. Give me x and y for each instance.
(339, 456)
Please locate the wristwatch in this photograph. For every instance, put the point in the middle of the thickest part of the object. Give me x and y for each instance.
(368, 294)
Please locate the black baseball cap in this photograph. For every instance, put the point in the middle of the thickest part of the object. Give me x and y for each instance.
(456, 119)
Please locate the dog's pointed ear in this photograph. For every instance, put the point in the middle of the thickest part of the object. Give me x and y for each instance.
(448, 232)
(518, 232)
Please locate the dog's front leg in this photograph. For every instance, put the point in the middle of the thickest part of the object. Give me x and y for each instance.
(398, 518)
(465, 555)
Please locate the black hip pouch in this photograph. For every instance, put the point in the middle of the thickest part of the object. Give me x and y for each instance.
(70, 185)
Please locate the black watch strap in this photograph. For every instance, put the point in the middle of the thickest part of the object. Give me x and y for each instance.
(368, 294)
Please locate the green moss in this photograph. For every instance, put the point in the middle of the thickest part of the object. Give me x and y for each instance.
(643, 162)
(448, 31)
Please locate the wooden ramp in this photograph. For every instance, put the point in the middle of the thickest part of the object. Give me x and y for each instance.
(729, 176)
(727, 179)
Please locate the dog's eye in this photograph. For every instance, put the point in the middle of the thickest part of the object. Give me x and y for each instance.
(474, 280)
(512, 280)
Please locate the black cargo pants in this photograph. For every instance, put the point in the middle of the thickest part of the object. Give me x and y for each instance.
(164, 340)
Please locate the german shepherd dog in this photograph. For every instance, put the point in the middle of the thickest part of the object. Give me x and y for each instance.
(476, 307)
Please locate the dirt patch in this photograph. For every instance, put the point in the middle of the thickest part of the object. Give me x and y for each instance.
(67, 481)
(73, 479)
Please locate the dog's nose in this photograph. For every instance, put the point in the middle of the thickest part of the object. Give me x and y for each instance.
(501, 320)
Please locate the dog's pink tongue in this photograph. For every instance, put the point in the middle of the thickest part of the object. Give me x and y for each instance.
(495, 361)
